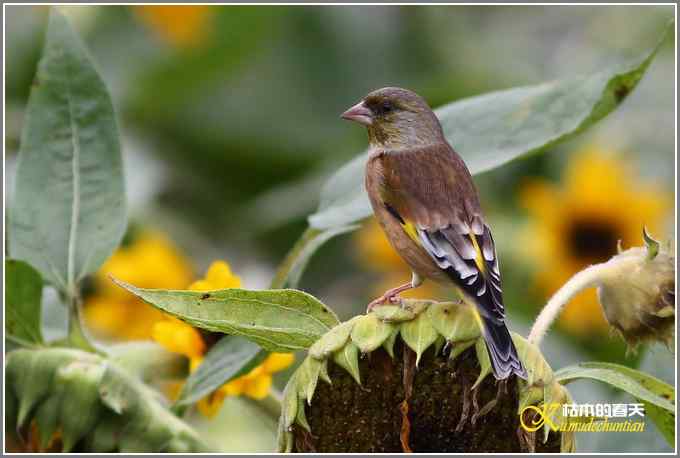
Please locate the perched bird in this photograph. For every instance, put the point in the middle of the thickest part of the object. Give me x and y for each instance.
(424, 198)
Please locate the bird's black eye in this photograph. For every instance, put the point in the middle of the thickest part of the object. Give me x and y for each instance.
(384, 108)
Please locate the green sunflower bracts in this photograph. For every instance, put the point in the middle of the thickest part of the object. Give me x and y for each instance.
(83, 401)
(415, 377)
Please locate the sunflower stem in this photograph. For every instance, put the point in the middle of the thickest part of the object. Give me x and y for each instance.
(586, 278)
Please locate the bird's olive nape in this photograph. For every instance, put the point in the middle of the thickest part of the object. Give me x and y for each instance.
(416, 379)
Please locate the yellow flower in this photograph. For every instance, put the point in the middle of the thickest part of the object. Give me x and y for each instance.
(578, 223)
(376, 253)
(181, 338)
(219, 276)
(180, 25)
(150, 261)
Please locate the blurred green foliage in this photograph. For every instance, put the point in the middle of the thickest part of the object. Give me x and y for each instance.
(228, 141)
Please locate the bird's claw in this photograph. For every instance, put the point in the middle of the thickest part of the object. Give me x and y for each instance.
(382, 300)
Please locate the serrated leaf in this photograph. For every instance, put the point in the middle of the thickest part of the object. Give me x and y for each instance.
(348, 358)
(23, 302)
(369, 333)
(278, 320)
(68, 209)
(332, 340)
(229, 358)
(657, 396)
(418, 334)
(491, 129)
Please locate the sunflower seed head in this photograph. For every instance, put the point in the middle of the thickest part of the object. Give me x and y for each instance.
(637, 293)
(449, 327)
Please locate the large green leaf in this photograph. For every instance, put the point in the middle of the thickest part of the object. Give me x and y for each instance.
(231, 357)
(657, 396)
(22, 302)
(281, 320)
(492, 129)
(68, 212)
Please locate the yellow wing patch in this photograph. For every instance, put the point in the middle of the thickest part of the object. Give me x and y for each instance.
(411, 231)
(479, 258)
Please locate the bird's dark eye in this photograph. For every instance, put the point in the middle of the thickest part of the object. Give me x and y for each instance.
(384, 108)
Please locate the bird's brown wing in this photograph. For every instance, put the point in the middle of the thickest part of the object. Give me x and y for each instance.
(431, 193)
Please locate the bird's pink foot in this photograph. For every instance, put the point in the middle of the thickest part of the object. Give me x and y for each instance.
(390, 297)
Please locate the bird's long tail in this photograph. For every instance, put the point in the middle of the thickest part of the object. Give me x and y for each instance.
(502, 351)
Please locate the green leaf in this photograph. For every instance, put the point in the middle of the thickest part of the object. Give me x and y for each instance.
(613, 375)
(291, 269)
(657, 396)
(68, 211)
(229, 358)
(281, 320)
(22, 302)
(663, 414)
(492, 129)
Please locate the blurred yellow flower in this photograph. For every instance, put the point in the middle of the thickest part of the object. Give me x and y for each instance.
(376, 253)
(181, 338)
(181, 26)
(579, 222)
(149, 261)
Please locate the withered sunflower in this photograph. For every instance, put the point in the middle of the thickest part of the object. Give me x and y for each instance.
(580, 221)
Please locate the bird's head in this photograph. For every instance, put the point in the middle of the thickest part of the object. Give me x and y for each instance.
(396, 118)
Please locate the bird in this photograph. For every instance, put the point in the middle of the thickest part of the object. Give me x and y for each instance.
(423, 197)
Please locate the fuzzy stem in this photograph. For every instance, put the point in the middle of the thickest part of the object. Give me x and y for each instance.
(584, 279)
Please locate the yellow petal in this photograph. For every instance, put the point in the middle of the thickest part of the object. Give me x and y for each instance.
(220, 276)
(179, 337)
(210, 405)
(277, 362)
(258, 388)
(201, 285)
(235, 387)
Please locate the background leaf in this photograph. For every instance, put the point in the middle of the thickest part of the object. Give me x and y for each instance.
(492, 129)
(68, 212)
(229, 358)
(291, 269)
(278, 320)
(22, 302)
(657, 396)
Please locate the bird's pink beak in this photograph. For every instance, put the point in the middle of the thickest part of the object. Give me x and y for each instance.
(359, 113)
